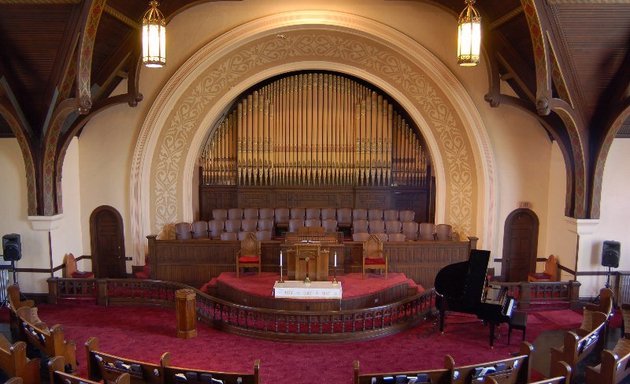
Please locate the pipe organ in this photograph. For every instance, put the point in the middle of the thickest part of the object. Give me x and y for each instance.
(315, 129)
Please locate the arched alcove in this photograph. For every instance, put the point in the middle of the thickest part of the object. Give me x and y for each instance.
(206, 84)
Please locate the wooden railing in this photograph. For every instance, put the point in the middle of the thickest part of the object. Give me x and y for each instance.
(255, 322)
(555, 292)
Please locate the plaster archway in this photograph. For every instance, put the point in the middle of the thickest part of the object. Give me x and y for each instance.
(208, 82)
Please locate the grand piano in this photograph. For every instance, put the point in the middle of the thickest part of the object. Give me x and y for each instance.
(461, 287)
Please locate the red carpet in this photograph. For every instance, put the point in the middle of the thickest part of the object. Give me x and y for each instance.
(145, 333)
(353, 284)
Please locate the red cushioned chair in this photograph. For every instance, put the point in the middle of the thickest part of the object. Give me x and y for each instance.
(249, 254)
(71, 270)
(549, 274)
(373, 255)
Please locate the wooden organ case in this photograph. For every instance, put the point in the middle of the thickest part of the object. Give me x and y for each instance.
(316, 140)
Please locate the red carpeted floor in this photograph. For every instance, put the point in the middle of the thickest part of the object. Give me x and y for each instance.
(145, 333)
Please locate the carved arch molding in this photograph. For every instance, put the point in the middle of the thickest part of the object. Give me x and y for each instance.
(194, 99)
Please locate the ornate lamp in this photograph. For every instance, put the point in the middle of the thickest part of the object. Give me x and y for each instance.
(153, 37)
(468, 36)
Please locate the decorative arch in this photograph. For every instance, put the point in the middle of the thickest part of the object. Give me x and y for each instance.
(207, 83)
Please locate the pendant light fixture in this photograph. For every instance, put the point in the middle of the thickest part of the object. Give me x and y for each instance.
(468, 36)
(153, 37)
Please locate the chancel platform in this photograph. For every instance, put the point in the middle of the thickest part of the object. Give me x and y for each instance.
(258, 291)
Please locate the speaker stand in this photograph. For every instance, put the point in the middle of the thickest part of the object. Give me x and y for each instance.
(607, 285)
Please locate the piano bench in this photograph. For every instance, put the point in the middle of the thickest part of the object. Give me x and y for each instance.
(517, 321)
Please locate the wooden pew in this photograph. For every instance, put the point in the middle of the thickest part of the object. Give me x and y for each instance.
(58, 376)
(433, 376)
(15, 303)
(579, 344)
(49, 341)
(108, 367)
(514, 370)
(14, 363)
(614, 366)
(174, 374)
(560, 374)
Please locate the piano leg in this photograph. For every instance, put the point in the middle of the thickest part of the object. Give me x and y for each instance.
(491, 324)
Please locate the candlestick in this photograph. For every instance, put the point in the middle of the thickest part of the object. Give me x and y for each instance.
(335, 258)
(281, 258)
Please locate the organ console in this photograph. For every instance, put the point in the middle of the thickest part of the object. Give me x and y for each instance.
(461, 287)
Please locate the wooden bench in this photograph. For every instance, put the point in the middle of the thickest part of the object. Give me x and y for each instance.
(514, 370)
(15, 303)
(614, 366)
(174, 374)
(14, 363)
(49, 341)
(560, 374)
(579, 344)
(433, 376)
(108, 367)
(58, 376)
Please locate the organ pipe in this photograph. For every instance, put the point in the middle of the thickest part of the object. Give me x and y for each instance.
(317, 129)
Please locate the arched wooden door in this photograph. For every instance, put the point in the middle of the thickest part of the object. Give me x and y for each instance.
(520, 244)
(107, 243)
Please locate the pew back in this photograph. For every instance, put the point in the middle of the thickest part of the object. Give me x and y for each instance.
(514, 370)
(50, 341)
(614, 366)
(58, 376)
(174, 374)
(560, 374)
(577, 347)
(14, 363)
(108, 367)
(433, 376)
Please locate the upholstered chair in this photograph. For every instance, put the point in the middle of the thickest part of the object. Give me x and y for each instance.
(358, 214)
(216, 228)
(71, 269)
(373, 255)
(229, 236)
(249, 225)
(330, 225)
(297, 213)
(265, 213)
(376, 226)
(375, 214)
(344, 217)
(250, 213)
(295, 224)
(426, 231)
(360, 236)
(265, 225)
(243, 234)
(263, 235)
(313, 213)
(329, 213)
(233, 225)
(220, 214)
(396, 237)
(312, 223)
(249, 254)
(200, 229)
(183, 231)
(390, 214)
(235, 213)
(360, 225)
(382, 236)
(444, 232)
(410, 230)
(393, 226)
(281, 217)
(549, 274)
(407, 215)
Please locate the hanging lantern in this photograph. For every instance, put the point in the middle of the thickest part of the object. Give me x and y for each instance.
(468, 36)
(153, 37)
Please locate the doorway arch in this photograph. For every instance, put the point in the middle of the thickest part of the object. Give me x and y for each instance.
(107, 243)
(520, 244)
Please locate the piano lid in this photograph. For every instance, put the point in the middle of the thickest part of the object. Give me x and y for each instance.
(463, 282)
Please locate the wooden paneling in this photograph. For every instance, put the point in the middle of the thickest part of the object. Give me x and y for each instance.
(195, 262)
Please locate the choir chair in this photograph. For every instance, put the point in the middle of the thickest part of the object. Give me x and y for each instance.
(249, 254)
(373, 255)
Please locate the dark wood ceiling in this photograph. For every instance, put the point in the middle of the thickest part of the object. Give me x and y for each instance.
(591, 41)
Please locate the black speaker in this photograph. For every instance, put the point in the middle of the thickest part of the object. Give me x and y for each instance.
(11, 247)
(610, 253)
